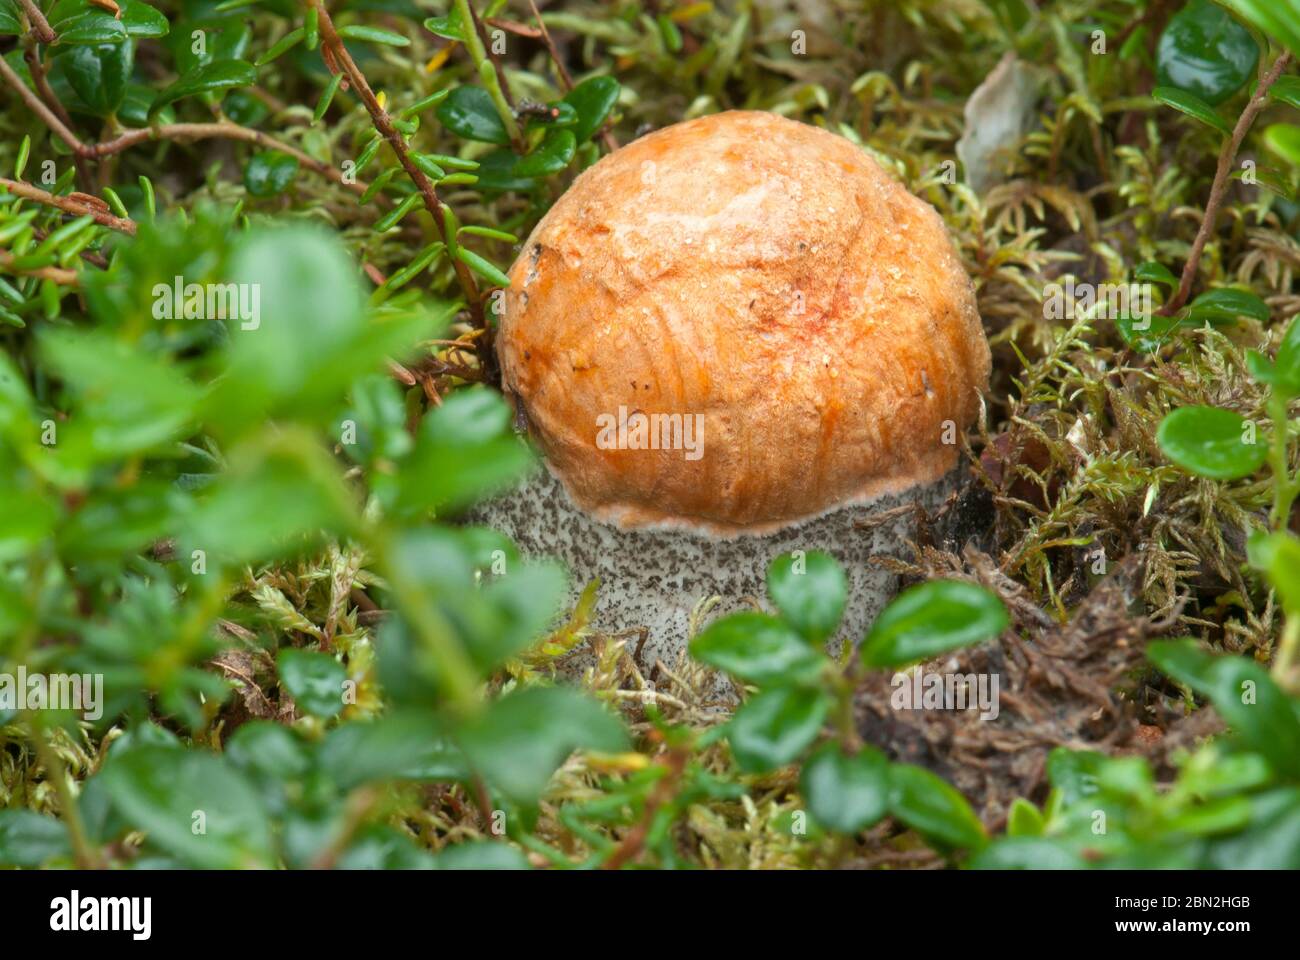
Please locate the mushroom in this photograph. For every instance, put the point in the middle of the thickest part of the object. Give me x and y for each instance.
(734, 338)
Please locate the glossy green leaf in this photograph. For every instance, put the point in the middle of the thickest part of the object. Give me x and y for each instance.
(846, 793)
(269, 173)
(1153, 272)
(593, 99)
(551, 156)
(1193, 106)
(209, 78)
(167, 792)
(1205, 51)
(315, 680)
(933, 808)
(810, 590)
(758, 649)
(1280, 19)
(1226, 305)
(774, 727)
(1212, 442)
(484, 268)
(932, 618)
(469, 112)
(78, 21)
(99, 73)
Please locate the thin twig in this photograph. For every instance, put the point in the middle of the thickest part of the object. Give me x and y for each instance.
(37, 107)
(225, 130)
(332, 46)
(66, 278)
(68, 205)
(1226, 157)
(180, 131)
(41, 29)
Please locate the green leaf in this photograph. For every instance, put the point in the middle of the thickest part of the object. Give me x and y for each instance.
(1027, 853)
(552, 155)
(759, 649)
(931, 807)
(1024, 819)
(1205, 51)
(1226, 305)
(931, 619)
(469, 112)
(9, 23)
(208, 78)
(29, 839)
(1211, 442)
(78, 21)
(1193, 106)
(846, 793)
(522, 739)
(465, 451)
(448, 26)
(314, 679)
(1153, 272)
(168, 792)
(1244, 695)
(1284, 140)
(99, 73)
(1280, 19)
(1147, 334)
(281, 46)
(773, 728)
(810, 591)
(378, 35)
(1286, 368)
(279, 495)
(482, 267)
(401, 745)
(381, 847)
(1286, 90)
(269, 173)
(127, 401)
(480, 855)
(593, 99)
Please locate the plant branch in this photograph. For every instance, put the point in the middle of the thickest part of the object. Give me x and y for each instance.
(225, 130)
(66, 278)
(180, 131)
(38, 107)
(1226, 157)
(332, 46)
(78, 208)
(41, 29)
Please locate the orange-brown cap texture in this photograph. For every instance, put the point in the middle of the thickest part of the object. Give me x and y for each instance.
(769, 276)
